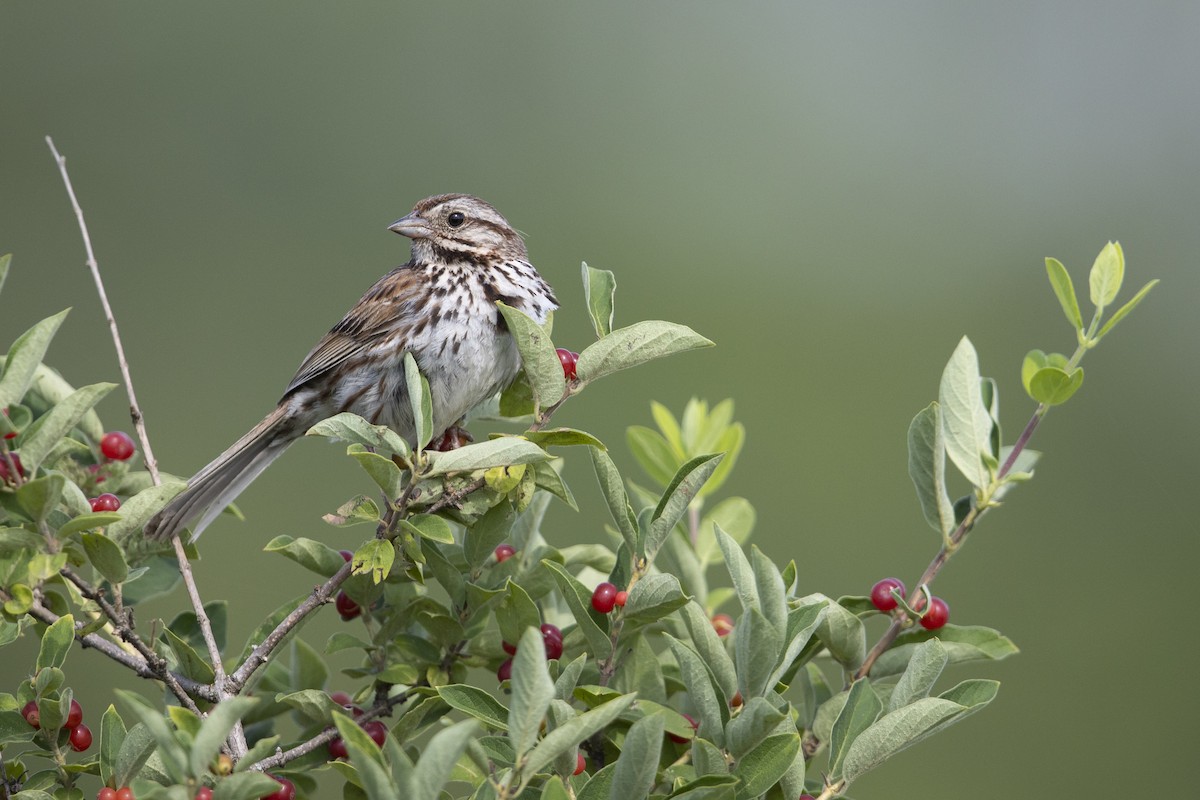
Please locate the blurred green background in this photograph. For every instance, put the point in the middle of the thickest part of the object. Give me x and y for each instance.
(834, 193)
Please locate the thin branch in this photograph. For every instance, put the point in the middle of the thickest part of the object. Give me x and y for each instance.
(138, 665)
(259, 655)
(126, 632)
(237, 737)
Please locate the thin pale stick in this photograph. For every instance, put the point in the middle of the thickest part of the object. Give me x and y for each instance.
(237, 737)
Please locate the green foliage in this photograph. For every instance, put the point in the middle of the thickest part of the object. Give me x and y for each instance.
(793, 700)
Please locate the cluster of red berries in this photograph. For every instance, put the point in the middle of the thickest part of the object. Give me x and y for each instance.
(568, 359)
(607, 597)
(886, 596)
(81, 735)
(552, 641)
(375, 729)
(6, 474)
(114, 446)
(124, 793)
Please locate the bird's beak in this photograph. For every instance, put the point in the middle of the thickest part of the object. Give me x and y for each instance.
(414, 226)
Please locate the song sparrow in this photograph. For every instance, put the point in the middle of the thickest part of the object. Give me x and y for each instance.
(440, 306)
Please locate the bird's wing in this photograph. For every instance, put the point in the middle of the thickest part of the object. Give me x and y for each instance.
(376, 316)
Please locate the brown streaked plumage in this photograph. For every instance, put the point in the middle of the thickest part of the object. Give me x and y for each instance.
(440, 306)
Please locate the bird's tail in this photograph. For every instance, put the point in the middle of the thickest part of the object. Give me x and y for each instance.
(216, 486)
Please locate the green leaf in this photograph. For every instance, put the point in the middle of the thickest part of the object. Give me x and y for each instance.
(39, 440)
(579, 600)
(542, 366)
(375, 558)
(675, 500)
(247, 785)
(613, 490)
(762, 768)
(636, 344)
(419, 400)
(532, 691)
(962, 644)
(14, 729)
(843, 633)
(215, 730)
(24, 357)
(1107, 273)
(563, 437)
(56, 643)
(439, 755)
(354, 429)
(354, 511)
(652, 452)
(771, 595)
(6, 262)
(88, 522)
(1064, 290)
(133, 752)
(382, 470)
(653, 598)
(502, 452)
(1053, 386)
(477, 703)
(112, 736)
(758, 718)
(599, 287)
(638, 764)
(309, 553)
(516, 612)
(106, 557)
(802, 622)
(859, 713)
(313, 704)
(730, 444)
(966, 420)
(20, 599)
(710, 702)
(927, 468)
(739, 569)
(928, 660)
(491, 530)
(709, 647)
(570, 733)
(308, 670)
(1124, 310)
(908, 725)
(756, 648)
(40, 496)
(429, 526)
(137, 510)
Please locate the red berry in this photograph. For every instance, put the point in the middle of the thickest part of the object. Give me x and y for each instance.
(117, 446)
(504, 673)
(203, 793)
(125, 793)
(7, 476)
(107, 793)
(736, 701)
(337, 748)
(286, 790)
(32, 715)
(552, 640)
(511, 649)
(106, 502)
(568, 360)
(347, 607)
(604, 598)
(937, 615)
(881, 593)
(504, 552)
(580, 764)
(341, 698)
(74, 716)
(377, 731)
(722, 624)
(621, 598)
(807, 797)
(347, 555)
(684, 739)
(81, 738)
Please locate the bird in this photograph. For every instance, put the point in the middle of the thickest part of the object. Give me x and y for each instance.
(440, 306)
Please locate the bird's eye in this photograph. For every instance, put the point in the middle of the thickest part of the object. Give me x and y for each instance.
(456, 219)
